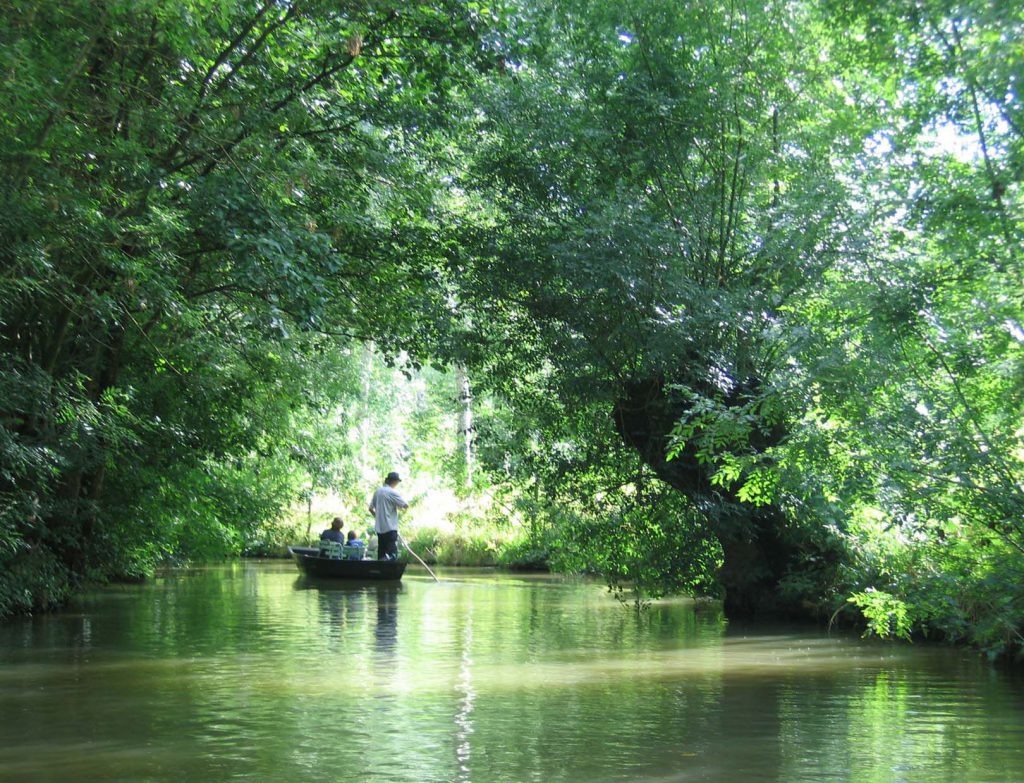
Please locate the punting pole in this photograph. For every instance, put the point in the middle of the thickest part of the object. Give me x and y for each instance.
(406, 545)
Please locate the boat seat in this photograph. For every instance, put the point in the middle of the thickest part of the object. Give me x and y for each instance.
(353, 552)
(331, 549)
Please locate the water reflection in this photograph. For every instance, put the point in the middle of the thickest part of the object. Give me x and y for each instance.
(466, 696)
(243, 672)
(386, 630)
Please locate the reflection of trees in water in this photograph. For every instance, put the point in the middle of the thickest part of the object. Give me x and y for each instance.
(748, 731)
(488, 681)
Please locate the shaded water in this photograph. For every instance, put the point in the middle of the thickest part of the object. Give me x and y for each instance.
(249, 672)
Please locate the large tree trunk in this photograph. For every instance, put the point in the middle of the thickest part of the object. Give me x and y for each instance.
(759, 550)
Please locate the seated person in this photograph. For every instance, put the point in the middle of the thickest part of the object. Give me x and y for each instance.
(334, 534)
(354, 543)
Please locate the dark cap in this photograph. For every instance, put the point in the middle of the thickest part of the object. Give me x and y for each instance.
(392, 476)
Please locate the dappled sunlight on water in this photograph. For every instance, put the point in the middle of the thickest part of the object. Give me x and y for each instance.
(251, 672)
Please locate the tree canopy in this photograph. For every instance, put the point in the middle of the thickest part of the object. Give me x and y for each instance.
(737, 286)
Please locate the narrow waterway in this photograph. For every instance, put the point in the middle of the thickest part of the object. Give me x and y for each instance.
(249, 672)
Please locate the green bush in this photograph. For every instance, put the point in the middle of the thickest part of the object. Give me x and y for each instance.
(955, 582)
(273, 540)
(32, 580)
(524, 555)
(456, 548)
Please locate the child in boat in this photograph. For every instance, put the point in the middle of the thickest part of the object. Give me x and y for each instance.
(355, 542)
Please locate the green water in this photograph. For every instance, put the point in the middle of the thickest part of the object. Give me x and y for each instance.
(247, 672)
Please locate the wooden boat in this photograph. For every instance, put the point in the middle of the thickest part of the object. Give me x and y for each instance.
(310, 562)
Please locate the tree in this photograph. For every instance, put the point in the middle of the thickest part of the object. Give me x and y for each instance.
(915, 372)
(194, 190)
(664, 187)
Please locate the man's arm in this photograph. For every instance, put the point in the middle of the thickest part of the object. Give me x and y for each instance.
(398, 499)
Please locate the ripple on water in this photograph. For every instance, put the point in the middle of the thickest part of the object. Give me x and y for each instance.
(250, 673)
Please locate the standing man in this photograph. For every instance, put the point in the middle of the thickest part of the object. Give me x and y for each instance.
(384, 506)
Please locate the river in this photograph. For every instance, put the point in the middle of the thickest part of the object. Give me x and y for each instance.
(249, 672)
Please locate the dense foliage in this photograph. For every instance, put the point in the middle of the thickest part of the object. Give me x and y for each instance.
(737, 286)
(205, 204)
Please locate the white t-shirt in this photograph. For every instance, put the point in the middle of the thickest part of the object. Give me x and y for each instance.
(384, 506)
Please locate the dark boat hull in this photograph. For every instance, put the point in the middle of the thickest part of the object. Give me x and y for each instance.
(311, 564)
